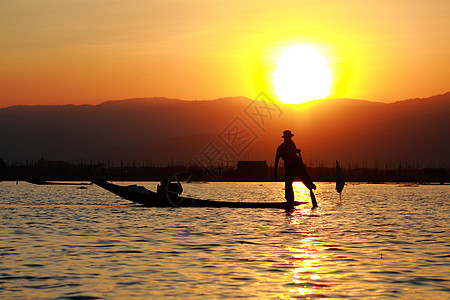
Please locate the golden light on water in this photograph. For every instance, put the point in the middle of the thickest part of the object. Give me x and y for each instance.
(298, 185)
(331, 252)
(308, 266)
(302, 75)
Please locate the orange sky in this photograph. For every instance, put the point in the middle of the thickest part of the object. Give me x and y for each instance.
(88, 51)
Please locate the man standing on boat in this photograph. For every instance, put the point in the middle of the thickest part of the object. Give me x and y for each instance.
(294, 167)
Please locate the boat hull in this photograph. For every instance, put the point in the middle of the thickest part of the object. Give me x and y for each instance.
(152, 199)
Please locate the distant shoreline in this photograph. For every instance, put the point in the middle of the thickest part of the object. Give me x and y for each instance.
(88, 182)
(253, 173)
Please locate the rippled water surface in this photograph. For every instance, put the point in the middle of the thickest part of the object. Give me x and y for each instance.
(384, 241)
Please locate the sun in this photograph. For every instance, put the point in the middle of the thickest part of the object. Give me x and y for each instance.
(302, 75)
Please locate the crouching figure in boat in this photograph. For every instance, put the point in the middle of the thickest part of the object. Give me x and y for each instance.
(169, 191)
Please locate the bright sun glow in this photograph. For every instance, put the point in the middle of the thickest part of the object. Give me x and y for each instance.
(302, 75)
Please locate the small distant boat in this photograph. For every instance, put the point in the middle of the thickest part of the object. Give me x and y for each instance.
(168, 195)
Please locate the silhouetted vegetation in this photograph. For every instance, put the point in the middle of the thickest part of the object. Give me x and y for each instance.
(64, 171)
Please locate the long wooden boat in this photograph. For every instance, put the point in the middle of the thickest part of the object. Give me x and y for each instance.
(141, 195)
(45, 182)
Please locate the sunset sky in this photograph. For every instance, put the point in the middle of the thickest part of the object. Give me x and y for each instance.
(89, 51)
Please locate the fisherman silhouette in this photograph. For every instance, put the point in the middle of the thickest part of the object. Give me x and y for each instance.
(294, 167)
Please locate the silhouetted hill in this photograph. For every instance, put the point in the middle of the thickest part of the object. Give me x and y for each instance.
(168, 131)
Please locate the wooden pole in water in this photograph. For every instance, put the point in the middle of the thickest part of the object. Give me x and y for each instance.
(313, 199)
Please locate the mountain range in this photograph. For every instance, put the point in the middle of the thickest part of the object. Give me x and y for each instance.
(161, 131)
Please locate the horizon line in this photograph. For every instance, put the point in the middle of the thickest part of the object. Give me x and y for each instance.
(217, 99)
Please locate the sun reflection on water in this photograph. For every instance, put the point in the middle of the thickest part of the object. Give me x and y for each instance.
(308, 255)
(306, 267)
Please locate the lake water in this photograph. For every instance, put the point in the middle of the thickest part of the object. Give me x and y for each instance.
(383, 242)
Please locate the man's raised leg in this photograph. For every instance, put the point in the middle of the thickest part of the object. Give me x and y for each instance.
(313, 198)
